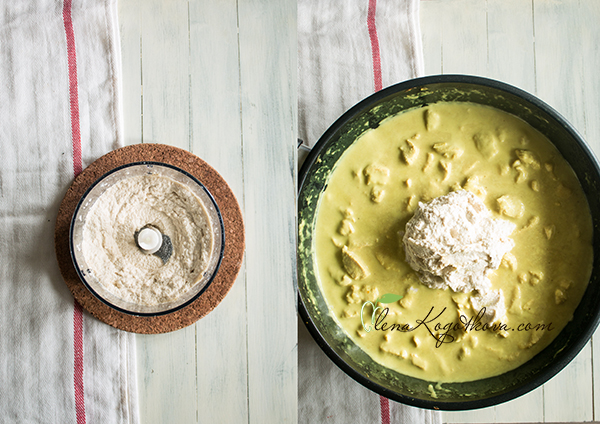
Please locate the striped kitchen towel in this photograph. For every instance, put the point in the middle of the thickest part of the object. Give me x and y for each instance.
(60, 110)
(346, 51)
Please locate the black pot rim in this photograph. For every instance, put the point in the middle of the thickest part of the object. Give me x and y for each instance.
(562, 358)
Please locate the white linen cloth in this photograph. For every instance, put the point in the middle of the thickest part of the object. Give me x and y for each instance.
(59, 111)
(346, 51)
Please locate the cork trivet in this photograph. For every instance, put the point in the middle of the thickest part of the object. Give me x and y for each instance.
(232, 222)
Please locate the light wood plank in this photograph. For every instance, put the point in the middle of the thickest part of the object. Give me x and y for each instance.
(165, 72)
(216, 137)
(587, 40)
(595, 372)
(158, 45)
(568, 396)
(166, 366)
(590, 48)
(484, 415)
(463, 26)
(130, 29)
(268, 82)
(528, 408)
(559, 73)
(559, 57)
(215, 88)
(510, 45)
(590, 33)
(431, 35)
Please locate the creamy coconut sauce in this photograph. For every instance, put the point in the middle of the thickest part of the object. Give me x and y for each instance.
(110, 248)
(418, 156)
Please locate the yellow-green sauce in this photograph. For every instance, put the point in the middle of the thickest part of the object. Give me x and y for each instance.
(417, 156)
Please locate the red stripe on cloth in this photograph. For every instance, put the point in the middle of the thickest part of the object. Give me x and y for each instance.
(73, 94)
(77, 167)
(78, 362)
(372, 27)
(384, 404)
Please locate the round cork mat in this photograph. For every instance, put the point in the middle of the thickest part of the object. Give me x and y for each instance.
(232, 255)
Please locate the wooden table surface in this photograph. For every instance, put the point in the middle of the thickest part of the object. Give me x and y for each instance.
(218, 78)
(549, 48)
